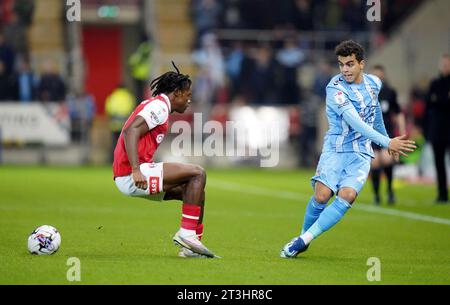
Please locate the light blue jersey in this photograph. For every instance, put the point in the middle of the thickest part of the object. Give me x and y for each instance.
(344, 97)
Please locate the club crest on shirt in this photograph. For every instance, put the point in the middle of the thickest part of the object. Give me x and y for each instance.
(159, 138)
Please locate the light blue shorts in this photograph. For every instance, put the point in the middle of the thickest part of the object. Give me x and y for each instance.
(346, 169)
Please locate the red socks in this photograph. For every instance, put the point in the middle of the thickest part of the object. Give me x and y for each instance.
(190, 217)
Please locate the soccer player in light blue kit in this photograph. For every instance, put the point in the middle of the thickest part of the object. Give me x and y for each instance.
(355, 121)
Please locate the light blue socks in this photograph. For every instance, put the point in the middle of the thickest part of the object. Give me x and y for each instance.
(313, 210)
(329, 217)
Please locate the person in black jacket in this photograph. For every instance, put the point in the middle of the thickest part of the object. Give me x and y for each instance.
(392, 117)
(437, 123)
(51, 87)
(6, 84)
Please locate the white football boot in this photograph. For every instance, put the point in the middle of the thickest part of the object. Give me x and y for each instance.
(186, 253)
(192, 243)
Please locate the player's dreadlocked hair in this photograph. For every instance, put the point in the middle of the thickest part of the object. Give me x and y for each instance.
(169, 82)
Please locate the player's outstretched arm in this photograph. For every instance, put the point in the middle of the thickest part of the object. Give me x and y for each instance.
(401, 146)
(131, 136)
(397, 146)
(351, 117)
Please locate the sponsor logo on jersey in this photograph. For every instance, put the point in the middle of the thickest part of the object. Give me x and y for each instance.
(368, 114)
(155, 117)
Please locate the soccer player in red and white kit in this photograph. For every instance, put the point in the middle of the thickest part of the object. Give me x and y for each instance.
(136, 174)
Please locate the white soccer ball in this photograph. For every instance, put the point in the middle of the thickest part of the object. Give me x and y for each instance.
(44, 240)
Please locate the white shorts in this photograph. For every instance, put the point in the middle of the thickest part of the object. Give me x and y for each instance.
(154, 174)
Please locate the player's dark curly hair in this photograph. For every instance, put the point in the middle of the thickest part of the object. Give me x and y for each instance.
(349, 47)
(169, 82)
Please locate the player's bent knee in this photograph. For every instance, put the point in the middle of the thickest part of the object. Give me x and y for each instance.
(348, 195)
(349, 199)
(198, 171)
(322, 198)
(322, 193)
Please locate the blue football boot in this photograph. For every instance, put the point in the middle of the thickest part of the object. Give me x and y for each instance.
(293, 248)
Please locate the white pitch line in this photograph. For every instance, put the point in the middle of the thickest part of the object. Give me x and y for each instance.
(404, 214)
(254, 190)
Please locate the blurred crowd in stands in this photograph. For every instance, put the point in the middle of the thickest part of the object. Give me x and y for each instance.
(24, 81)
(284, 69)
(301, 15)
(267, 71)
(19, 80)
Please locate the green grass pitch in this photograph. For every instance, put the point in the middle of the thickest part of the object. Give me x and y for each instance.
(249, 216)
